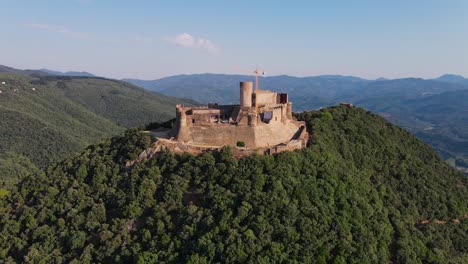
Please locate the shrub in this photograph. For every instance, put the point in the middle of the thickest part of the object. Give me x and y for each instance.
(326, 116)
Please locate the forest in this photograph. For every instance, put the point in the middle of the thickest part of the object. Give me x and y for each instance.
(363, 191)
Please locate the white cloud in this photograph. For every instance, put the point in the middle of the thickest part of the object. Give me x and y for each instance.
(189, 41)
(184, 39)
(59, 29)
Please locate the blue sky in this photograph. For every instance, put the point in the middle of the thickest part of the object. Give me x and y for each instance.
(153, 39)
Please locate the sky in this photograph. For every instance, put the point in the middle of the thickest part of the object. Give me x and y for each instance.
(154, 38)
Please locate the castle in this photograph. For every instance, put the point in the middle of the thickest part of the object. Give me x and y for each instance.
(262, 121)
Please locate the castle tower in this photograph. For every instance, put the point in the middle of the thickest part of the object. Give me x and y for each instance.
(182, 131)
(246, 89)
(289, 110)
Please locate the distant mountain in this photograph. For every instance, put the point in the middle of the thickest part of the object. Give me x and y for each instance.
(305, 92)
(44, 119)
(381, 79)
(45, 72)
(452, 78)
(6, 69)
(69, 73)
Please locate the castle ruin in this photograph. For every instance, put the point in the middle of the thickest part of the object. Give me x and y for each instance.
(262, 121)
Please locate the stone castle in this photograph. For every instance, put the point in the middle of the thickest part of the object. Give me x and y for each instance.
(262, 122)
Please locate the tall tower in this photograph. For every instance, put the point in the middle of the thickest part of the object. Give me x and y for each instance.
(182, 132)
(246, 94)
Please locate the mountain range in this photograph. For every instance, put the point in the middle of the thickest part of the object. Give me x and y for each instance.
(222, 88)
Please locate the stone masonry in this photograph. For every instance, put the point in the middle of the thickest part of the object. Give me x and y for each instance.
(263, 121)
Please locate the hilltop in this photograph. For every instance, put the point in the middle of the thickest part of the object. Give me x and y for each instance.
(413, 103)
(44, 119)
(363, 191)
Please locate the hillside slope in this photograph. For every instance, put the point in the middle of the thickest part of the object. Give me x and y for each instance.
(45, 119)
(364, 191)
(440, 120)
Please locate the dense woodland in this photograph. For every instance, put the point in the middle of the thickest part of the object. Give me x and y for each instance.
(44, 119)
(364, 191)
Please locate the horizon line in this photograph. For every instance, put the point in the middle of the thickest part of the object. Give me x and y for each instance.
(43, 69)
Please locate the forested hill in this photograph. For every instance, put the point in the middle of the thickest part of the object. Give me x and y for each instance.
(364, 191)
(43, 119)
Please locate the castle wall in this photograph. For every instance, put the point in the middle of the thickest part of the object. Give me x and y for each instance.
(282, 98)
(206, 111)
(262, 135)
(263, 97)
(276, 115)
(274, 133)
(227, 110)
(222, 134)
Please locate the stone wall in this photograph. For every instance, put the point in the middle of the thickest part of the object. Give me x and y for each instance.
(162, 144)
(222, 134)
(263, 97)
(263, 135)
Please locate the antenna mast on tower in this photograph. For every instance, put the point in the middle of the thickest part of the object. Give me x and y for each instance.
(256, 77)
